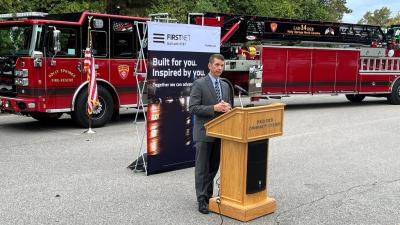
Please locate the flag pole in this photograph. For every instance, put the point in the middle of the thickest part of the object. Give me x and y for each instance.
(89, 41)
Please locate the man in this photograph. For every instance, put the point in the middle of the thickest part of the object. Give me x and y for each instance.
(209, 98)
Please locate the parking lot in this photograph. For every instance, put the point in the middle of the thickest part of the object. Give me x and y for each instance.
(337, 163)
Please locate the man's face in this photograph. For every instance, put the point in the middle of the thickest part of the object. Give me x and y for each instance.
(216, 67)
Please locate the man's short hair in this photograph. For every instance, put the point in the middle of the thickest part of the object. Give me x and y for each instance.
(215, 56)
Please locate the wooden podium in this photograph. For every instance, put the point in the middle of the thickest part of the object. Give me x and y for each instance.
(243, 192)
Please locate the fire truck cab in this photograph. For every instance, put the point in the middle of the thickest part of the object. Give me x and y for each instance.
(279, 57)
(41, 64)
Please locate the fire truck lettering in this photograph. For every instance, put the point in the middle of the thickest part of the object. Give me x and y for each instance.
(62, 80)
(64, 71)
(67, 80)
(53, 73)
(72, 74)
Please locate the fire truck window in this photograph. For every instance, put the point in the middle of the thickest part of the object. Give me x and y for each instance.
(123, 45)
(99, 43)
(68, 42)
(39, 42)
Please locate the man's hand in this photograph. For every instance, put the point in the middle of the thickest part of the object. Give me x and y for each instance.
(222, 107)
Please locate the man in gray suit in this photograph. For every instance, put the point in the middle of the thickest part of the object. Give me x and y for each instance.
(209, 98)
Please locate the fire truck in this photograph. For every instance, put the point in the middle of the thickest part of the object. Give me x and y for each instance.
(278, 57)
(41, 60)
(41, 64)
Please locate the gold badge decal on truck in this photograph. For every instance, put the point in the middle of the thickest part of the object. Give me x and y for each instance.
(123, 71)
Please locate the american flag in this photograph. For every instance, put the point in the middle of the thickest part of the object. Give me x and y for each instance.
(93, 98)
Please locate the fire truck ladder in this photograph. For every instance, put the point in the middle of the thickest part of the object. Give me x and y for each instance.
(374, 65)
(140, 69)
(162, 17)
(190, 15)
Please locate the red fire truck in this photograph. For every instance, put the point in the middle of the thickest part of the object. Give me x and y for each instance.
(280, 57)
(41, 64)
(41, 60)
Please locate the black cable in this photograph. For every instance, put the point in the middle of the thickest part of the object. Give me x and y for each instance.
(218, 200)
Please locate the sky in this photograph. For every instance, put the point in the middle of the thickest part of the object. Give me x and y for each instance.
(360, 7)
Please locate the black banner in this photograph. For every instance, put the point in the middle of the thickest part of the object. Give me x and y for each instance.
(177, 55)
(169, 124)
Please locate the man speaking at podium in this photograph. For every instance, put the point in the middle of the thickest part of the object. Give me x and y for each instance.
(209, 98)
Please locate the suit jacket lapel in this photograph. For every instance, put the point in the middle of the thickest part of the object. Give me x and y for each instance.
(225, 92)
(211, 87)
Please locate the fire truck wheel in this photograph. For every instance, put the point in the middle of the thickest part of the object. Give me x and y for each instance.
(101, 116)
(394, 97)
(355, 98)
(46, 117)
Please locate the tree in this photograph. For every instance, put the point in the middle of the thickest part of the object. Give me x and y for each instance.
(335, 9)
(178, 9)
(51, 6)
(395, 20)
(380, 17)
(324, 10)
(129, 7)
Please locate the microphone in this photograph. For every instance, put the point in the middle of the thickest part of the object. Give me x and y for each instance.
(240, 89)
(240, 93)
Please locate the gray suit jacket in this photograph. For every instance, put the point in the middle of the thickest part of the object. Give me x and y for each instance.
(201, 105)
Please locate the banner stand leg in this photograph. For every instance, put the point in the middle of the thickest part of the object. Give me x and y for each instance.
(140, 70)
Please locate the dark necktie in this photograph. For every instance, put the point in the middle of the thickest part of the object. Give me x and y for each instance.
(217, 90)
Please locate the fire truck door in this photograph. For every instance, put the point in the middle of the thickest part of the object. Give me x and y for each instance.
(123, 80)
(324, 68)
(298, 73)
(99, 41)
(124, 45)
(63, 71)
(63, 77)
(101, 52)
(347, 70)
(286, 70)
(274, 70)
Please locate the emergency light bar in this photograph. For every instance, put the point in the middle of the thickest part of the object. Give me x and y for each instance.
(22, 15)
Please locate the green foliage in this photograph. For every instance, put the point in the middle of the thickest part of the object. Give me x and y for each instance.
(324, 10)
(379, 17)
(51, 6)
(395, 20)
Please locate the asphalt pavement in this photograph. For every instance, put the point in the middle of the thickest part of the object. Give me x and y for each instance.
(337, 163)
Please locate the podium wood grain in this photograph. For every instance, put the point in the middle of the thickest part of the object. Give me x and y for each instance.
(248, 124)
(236, 128)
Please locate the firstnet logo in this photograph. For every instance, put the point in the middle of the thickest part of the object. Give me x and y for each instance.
(158, 38)
(171, 39)
(178, 37)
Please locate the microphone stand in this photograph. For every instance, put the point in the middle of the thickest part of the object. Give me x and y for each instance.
(240, 90)
(240, 98)
(232, 92)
